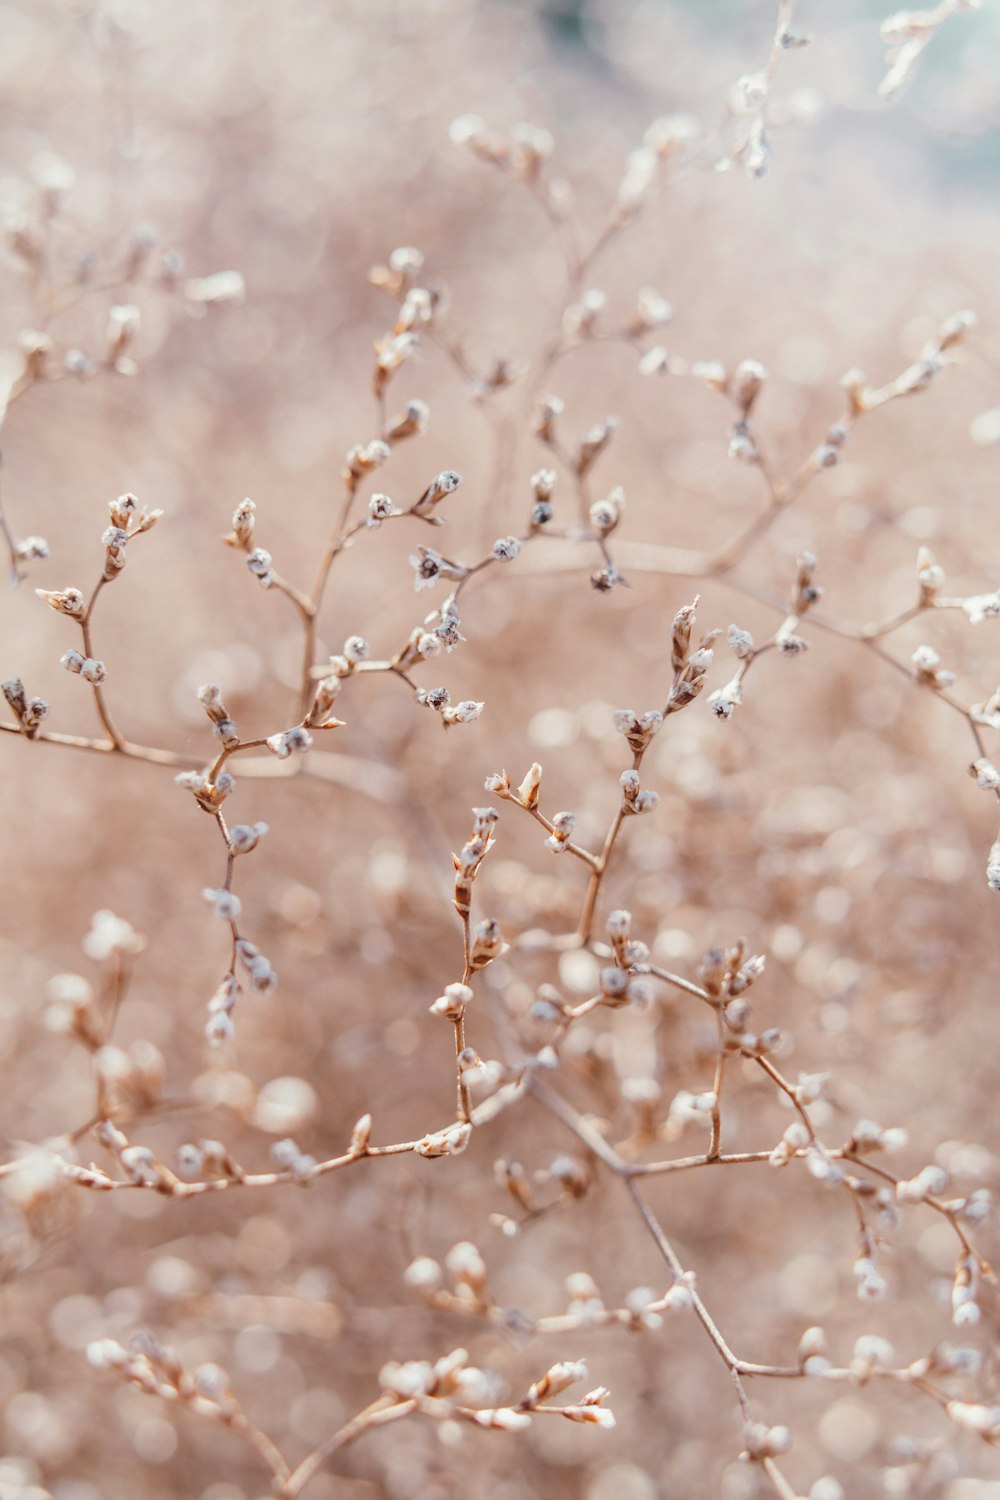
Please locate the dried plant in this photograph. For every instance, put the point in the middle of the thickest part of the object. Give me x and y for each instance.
(606, 1008)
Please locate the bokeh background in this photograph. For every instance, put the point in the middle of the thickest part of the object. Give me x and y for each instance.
(831, 822)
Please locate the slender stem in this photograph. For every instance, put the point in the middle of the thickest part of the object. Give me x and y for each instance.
(586, 922)
(113, 734)
(386, 1409)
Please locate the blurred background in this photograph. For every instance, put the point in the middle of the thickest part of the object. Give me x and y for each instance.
(831, 823)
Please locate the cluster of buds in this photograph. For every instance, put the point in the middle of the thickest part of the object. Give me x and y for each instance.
(441, 631)
(511, 1176)
(506, 548)
(447, 1382)
(933, 359)
(573, 1176)
(288, 1157)
(965, 1310)
(29, 712)
(634, 799)
(111, 937)
(439, 699)
(724, 701)
(207, 1158)
(451, 1141)
(398, 276)
(259, 562)
(740, 643)
(522, 153)
(155, 1369)
(593, 444)
(829, 451)
(805, 591)
(208, 792)
(544, 422)
(262, 977)
(976, 1208)
(651, 311)
(931, 1182)
(691, 680)
(543, 483)
(662, 143)
(320, 714)
(726, 974)
(980, 607)
(687, 1108)
(468, 1272)
(445, 483)
(219, 1028)
(605, 514)
(580, 318)
(563, 824)
(354, 651)
(224, 904)
(659, 361)
(392, 351)
(72, 1010)
(984, 1421)
(762, 1442)
(416, 309)
(363, 459)
(620, 987)
(297, 740)
(928, 669)
(65, 601)
(127, 520)
(451, 1005)
(690, 668)
(813, 1352)
(638, 729)
(412, 422)
(466, 712)
(742, 445)
(795, 1141)
(487, 944)
(917, 377)
(244, 522)
(680, 639)
(585, 1301)
(628, 950)
(473, 853)
(210, 698)
(871, 1284)
(92, 671)
(987, 713)
(868, 1136)
(123, 325)
(744, 386)
(31, 549)
(138, 1163)
(526, 794)
(644, 1308)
